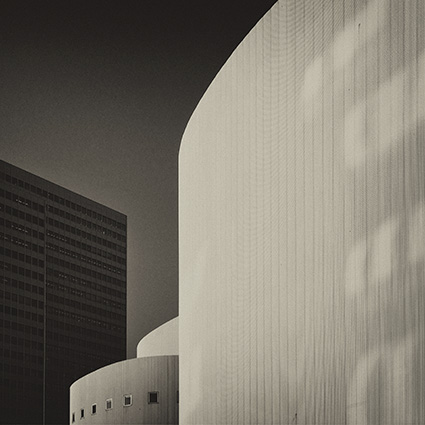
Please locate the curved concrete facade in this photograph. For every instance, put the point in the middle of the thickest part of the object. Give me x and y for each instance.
(135, 378)
(122, 391)
(162, 341)
(302, 222)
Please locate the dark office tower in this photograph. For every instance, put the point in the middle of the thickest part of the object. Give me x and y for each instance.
(62, 294)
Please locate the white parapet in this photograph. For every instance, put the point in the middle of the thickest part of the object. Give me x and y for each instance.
(162, 341)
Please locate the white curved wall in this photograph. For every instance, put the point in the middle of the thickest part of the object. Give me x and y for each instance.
(302, 222)
(135, 377)
(155, 369)
(163, 340)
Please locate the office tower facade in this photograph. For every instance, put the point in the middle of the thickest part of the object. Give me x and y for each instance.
(62, 294)
(302, 222)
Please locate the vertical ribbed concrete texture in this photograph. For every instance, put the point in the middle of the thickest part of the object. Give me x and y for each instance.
(302, 222)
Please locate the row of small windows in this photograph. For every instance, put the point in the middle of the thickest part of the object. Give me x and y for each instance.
(66, 366)
(85, 307)
(20, 356)
(93, 334)
(86, 283)
(84, 319)
(22, 243)
(86, 295)
(21, 228)
(21, 257)
(20, 270)
(25, 342)
(22, 215)
(14, 384)
(85, 259)
(21, 299)
(85, 223)
(92, 238)
(88, 272)
(21, 200)
(61, 339)
(20, 327)
(22, 371)
(86, 357)
(127, 401)
(24, 286)
(48, 195)
(24, 314)
(15, 340)
(89, 248)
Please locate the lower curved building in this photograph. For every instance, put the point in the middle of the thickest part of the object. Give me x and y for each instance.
(302, 222)
(143, 390)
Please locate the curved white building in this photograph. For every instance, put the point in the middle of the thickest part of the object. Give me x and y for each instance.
(302, 222)
(162, 341)
(136, 391)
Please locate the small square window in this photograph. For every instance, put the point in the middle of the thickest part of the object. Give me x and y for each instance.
(153, 397)
(93, 409)
(128, 400)
(109, 404)
(82, 414)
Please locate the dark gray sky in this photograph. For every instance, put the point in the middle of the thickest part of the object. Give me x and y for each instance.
(95, 96)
